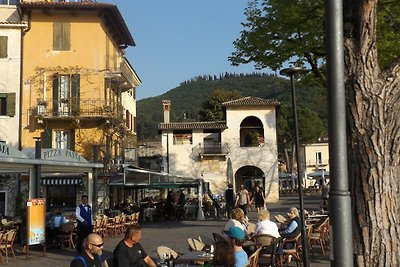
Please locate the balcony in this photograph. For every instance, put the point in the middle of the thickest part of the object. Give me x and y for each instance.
(212, 150)
(125, 77)
(68, 108)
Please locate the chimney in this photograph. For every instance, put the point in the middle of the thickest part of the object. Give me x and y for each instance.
(166, 107)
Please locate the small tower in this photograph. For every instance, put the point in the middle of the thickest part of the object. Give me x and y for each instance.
(166, 109)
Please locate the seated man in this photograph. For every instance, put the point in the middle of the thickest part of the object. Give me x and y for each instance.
(236, 236)
(129, 252)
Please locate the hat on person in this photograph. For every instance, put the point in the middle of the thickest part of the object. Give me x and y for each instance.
(236, 232)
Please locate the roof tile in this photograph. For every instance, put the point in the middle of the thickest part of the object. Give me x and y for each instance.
(251, 101)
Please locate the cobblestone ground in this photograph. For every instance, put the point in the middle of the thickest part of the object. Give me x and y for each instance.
(173, 234)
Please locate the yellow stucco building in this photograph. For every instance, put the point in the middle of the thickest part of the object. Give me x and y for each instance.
(74, 75)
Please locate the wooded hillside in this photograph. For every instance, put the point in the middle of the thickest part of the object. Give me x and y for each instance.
(187, 98)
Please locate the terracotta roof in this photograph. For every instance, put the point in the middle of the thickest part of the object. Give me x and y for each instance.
(251, 101)
(193, 125)
(113, 18)
(13, 23)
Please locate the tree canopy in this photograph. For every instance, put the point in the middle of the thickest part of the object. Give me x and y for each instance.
(213, 109)
(278, 32)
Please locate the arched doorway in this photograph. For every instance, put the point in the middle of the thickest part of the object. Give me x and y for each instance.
(249, 176)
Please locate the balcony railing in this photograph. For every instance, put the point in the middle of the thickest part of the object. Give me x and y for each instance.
(72, 107)
(210, 150)
(124, 76)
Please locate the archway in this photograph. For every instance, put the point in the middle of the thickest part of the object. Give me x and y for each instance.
(249, 176)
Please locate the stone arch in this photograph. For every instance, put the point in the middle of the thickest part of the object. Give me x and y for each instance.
(249, 176)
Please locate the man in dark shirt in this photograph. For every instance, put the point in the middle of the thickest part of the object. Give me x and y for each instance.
(129, 252)
(230, 200)
(91, 256)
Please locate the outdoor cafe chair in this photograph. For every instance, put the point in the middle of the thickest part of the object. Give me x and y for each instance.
(317, 235)
(66, 235)
(163, 251)
(253, 259)
(7, 243)
(285, 253)
(195, 245)
(268, 245)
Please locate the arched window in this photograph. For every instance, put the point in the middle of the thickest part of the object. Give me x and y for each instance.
(251, 132)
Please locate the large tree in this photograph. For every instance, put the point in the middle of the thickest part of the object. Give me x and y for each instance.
(278, 31)
(212, 107)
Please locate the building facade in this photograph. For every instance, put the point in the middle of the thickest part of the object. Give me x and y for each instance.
(240, 150)
(11, 29)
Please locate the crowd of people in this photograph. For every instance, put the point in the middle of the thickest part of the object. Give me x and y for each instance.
(229, 251)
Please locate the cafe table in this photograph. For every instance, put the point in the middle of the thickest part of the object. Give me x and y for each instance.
(194, 258)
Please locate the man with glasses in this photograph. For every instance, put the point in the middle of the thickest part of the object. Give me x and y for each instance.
(129, 252)
(91, 256)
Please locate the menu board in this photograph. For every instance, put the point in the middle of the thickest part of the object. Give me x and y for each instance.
(36, 221)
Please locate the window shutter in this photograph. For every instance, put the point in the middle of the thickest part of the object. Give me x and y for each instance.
(71, 145)
(56, 82)
(11, 104)
(61, 36)
(75, 83)
(3, 46)
(46, 137)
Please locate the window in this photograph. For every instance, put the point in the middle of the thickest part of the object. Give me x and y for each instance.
(62, 139)
(251, 132)
(3, 46)
(7, 104)
(9, 2)
(61, 196)
(182, 137)
(61, 36)
(66, 90)
(318, 158)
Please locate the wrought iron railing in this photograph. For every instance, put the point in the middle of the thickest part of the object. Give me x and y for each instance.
(92, 107)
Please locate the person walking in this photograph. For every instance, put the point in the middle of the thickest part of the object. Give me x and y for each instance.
(129, 252)
(230, 200)
(243, 199)
(259, 198)
(85, 223)
(91, 256)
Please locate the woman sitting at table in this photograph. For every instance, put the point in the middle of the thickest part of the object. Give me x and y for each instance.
(265, 226)
(293, 229)
(238, 219)
(224, 255)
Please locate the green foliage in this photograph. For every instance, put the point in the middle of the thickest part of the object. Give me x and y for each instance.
(279, 31)
(252, 139)
(213, 109)
(388, 32)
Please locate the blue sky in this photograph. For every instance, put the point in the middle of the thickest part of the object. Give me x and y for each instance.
(179, 39)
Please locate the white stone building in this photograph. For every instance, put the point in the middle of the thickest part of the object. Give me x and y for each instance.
(10, 69)
(316, 161)
(240, 150)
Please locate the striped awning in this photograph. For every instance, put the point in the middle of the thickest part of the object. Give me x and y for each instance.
(62, 181)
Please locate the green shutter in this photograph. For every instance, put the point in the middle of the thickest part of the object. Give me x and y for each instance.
(3, 46)
(46, 137)
(75, 84)
(56, 82)
(61, 36)
(11, 104)
(71, 144)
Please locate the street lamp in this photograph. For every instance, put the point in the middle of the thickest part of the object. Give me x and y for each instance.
(291, 72)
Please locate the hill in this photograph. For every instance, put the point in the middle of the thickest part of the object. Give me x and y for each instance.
(188, 97)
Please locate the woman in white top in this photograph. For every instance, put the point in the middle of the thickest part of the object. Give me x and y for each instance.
(265, 226)
(238, 219)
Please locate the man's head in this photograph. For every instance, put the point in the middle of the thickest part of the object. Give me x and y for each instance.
(237, 235)
(94, 245)
(84, 199)
(293, 212)
(133, 234)
(241, 186)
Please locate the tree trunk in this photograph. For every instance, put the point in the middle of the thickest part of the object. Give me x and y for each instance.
(373, 135)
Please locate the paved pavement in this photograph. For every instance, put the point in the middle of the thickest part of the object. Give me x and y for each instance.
(173, 234)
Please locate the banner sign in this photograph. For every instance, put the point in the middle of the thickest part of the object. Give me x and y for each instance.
(36, 221)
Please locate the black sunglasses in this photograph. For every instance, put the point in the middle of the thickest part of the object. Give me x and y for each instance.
(99, 245)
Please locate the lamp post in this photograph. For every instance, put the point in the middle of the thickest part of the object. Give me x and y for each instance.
(291, 72)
